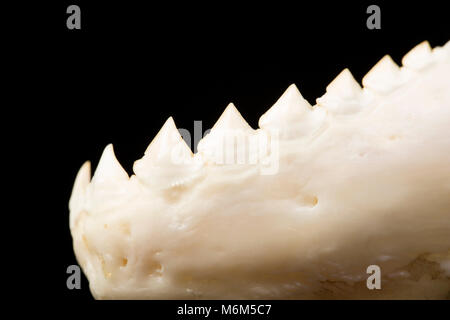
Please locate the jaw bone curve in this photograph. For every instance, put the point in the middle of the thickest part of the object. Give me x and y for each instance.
(362, 178)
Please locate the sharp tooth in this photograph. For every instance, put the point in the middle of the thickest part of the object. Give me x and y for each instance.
(231, 119)
(344, 94)
(230, 123)
(109, 183)
(166, 143)
(227, 139)
(289, 108)
(108, 168)
(418, 57)
(168, 160)
(292, 116)
(77, 197)
(344, 86)
(163, 143)
(289, 116)
(384, 77)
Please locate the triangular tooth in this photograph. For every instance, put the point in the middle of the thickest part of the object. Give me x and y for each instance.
(230, 123)
(292, 116)
(82, 180)
(288, 109)
(231, 119)
(167, 137)
(166, 145)
(383, 77)
(343, 94)
(228, 140)
(418, 57)
(344, 86)
(108, 168)
(77, 197)
(168, 159)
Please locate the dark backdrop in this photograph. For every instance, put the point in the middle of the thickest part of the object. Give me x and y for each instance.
(133, 65)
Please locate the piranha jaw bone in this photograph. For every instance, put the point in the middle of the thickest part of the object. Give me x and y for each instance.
(362, 178)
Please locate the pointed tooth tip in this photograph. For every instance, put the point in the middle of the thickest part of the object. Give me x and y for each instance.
(168, 133)
(384, 71)
(108, 166)
(231, 118)
(343, 94)
(292, 91)
(85, 170)
(293, 88)
(230, 110)
(83, 177)
(231, 106)
(170, 120)
(386, 61)
(169, 124)
(418, 57)
(347, 74)
(344, 84)
(76, 201)
(290, 101)
(166, 149)
(288, 109)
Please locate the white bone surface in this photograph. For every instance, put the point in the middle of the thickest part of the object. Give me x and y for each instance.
(363, 178)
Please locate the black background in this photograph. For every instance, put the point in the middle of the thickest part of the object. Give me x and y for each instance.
(132, 65)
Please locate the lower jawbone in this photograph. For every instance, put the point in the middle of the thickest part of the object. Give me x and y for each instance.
(362, 178)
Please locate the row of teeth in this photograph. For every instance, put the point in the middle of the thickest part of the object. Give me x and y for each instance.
(290, 117)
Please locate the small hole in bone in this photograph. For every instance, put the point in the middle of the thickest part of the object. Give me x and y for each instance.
(155, 268)
(124, 262)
